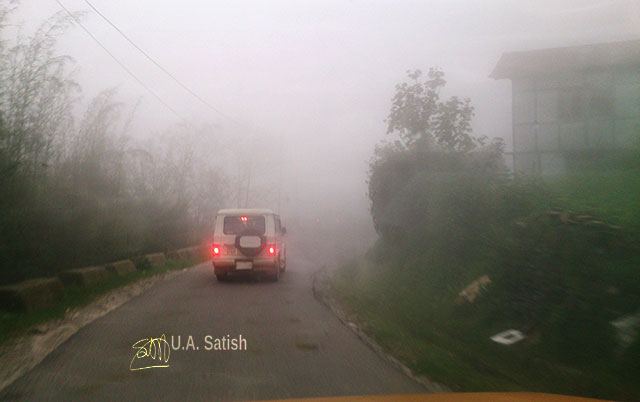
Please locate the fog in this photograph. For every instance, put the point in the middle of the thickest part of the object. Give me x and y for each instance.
(377, 134)
(310, 82)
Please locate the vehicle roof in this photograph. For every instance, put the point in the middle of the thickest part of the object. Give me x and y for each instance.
(245, 211)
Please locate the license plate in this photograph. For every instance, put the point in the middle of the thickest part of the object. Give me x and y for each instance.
(244, 264)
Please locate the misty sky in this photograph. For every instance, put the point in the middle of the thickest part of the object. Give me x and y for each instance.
(321, 74)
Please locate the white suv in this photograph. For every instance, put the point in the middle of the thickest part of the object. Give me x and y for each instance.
(248, 241)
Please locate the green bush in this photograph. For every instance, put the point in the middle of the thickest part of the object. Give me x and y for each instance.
(444, 220)
(447, 212)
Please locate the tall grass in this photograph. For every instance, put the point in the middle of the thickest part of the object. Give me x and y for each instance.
(82, 190)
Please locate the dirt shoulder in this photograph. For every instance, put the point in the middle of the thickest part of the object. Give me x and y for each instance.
(21, 354)
(322, 292)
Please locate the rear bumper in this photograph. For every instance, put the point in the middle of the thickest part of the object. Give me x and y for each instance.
(223, 266)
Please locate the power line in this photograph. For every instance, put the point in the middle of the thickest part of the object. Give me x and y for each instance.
(151, 59)
(158, 98)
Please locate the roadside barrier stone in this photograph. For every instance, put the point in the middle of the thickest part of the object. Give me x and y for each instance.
(121, 268)
(83, 276)
(156, 259)
(32, 294)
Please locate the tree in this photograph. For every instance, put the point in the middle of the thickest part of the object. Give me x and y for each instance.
(37, 94)
(423, 121)
(77, 192)
(434, 146)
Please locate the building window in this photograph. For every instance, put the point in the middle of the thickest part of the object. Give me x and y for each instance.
(601, 103)
(585, 103)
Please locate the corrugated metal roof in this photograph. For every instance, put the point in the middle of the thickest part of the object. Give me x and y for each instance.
(574, 58)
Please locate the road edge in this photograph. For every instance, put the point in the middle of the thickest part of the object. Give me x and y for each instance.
(321, 291)
(22, 354)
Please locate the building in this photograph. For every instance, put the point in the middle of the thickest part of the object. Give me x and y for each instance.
(572, 102)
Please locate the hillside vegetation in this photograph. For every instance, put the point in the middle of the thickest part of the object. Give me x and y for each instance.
(78, 191)
(561, 254)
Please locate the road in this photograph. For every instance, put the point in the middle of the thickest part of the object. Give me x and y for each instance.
(296, 347)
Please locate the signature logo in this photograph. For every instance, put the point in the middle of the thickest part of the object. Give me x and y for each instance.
(150, 353)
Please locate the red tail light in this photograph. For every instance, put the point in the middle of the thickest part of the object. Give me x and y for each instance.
(271, 249)
(216, 250)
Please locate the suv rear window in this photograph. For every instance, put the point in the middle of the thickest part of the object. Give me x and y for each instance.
(234, 225)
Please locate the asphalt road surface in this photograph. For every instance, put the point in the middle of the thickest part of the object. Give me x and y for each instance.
(296, 347)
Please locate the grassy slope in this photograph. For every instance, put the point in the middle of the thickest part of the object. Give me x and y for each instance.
(403, 308)
(460, 354)
(611, 195)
